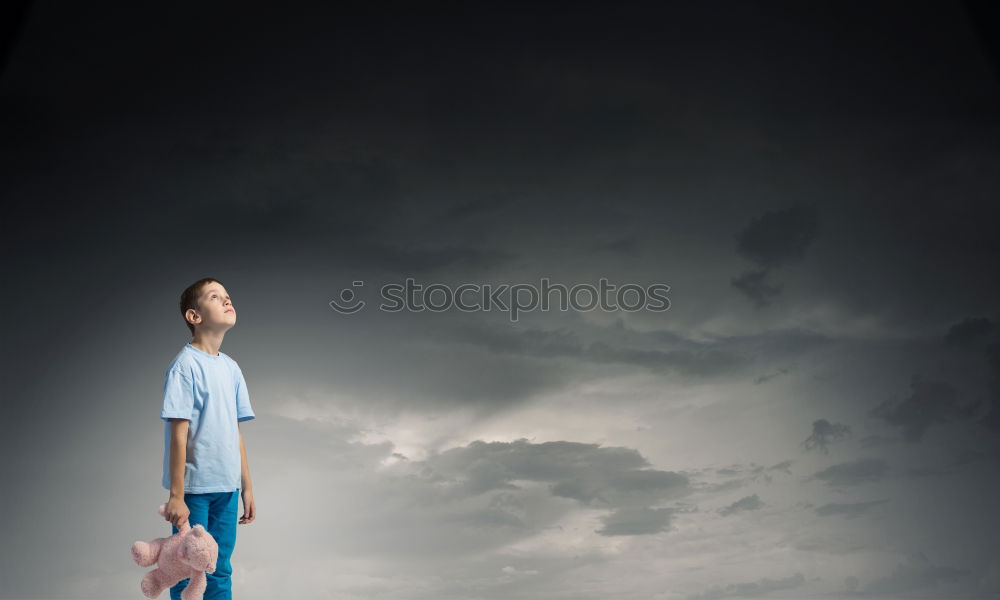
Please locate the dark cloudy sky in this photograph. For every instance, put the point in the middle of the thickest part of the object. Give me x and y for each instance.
(813, 417)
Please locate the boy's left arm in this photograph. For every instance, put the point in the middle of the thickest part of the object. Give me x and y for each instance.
(249, 510)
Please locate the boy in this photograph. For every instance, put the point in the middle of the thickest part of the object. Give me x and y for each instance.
(204, 457)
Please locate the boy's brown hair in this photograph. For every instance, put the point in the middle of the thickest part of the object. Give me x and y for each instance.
(189, 298)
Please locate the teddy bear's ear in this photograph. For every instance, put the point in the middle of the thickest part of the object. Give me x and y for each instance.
(197, 531)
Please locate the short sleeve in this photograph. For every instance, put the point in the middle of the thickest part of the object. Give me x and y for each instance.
(178, 396)
(244, 412)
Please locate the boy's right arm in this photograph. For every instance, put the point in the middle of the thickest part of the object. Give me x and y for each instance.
(177, 510)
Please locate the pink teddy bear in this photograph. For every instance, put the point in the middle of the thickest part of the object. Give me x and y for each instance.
(187, 554)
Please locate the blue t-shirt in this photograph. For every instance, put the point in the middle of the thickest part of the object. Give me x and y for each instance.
(211, 393)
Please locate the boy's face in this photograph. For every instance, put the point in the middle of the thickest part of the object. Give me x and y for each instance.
(216, 310)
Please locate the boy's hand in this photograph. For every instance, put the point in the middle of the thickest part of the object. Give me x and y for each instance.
(249, 510)
(177, 512)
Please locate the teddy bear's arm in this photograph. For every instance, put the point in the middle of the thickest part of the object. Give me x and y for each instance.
(195, 589)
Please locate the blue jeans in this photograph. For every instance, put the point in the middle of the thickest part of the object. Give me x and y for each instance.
(216, 512)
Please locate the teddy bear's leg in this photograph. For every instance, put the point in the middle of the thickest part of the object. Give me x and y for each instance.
(154, 582)
(196, 586)
(146, 553)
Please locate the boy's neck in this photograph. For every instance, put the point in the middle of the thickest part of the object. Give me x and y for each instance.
(208, 342)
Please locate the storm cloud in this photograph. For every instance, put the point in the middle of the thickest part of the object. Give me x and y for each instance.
(815, 184)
